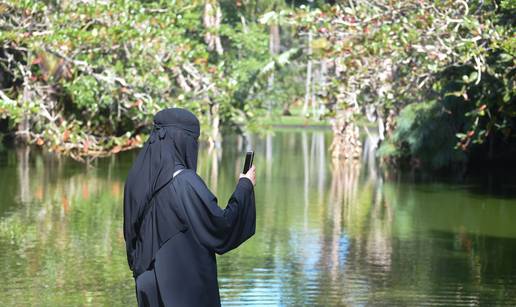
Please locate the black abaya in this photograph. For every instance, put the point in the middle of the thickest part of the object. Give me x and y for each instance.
(185, 268)
(173, 226)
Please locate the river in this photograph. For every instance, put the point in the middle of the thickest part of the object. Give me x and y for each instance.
(327, 234)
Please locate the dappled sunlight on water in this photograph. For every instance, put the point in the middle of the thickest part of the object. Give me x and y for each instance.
(328, 233)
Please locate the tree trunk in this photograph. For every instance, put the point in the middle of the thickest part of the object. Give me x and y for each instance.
(308, 74)
(322, 86)
(274, 48)
(211, 19)
(312, 96)
(346, 136)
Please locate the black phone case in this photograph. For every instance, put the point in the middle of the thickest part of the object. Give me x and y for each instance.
(248, 161)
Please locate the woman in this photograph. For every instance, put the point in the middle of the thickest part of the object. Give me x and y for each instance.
(172, 224)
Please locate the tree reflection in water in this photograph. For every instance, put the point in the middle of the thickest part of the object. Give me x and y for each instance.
(328, 232)
(63, 243)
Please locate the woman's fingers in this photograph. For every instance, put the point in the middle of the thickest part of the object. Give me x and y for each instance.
(251, 170)
(251, 175)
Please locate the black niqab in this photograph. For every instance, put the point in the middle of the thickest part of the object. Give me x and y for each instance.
(171, 146)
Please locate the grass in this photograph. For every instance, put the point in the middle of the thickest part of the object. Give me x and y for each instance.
(295, 120)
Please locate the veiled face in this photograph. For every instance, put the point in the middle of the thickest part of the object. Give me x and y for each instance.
(179, 133)
(192, 153)
(185, 149)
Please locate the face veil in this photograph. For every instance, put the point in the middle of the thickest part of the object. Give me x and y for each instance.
(171, 146)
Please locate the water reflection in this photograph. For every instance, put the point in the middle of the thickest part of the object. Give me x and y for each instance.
(23, 173)
(328, 232)
(61, 242)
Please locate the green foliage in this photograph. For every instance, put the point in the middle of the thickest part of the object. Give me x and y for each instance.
(430, 71)
(425, 132)
(87, 77)
(93, 74)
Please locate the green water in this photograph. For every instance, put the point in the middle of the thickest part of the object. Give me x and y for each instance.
(327, 234)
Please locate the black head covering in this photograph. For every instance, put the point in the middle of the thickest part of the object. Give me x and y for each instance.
(172, 145)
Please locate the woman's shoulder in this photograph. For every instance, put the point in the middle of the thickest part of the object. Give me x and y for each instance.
(190, 177)
(192, 184)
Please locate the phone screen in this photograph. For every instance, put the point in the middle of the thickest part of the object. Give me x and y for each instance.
(248, 161)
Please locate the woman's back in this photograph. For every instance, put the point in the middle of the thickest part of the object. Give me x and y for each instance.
(173, 225)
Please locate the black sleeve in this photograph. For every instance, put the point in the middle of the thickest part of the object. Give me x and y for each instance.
(219, 230)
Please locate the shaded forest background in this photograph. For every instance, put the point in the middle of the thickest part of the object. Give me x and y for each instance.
(427, 83)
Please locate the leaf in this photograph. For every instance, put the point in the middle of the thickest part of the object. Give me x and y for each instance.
(267, 17)
(66, 135)
(349, 11)
(472, 77)
(456, 94)
(504, 57)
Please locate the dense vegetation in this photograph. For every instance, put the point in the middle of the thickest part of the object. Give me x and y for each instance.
(435, 79)
(84, 78)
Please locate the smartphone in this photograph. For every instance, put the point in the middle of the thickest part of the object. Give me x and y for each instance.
(248, 161)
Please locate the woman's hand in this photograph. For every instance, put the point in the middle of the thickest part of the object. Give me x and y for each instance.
(251, 175)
